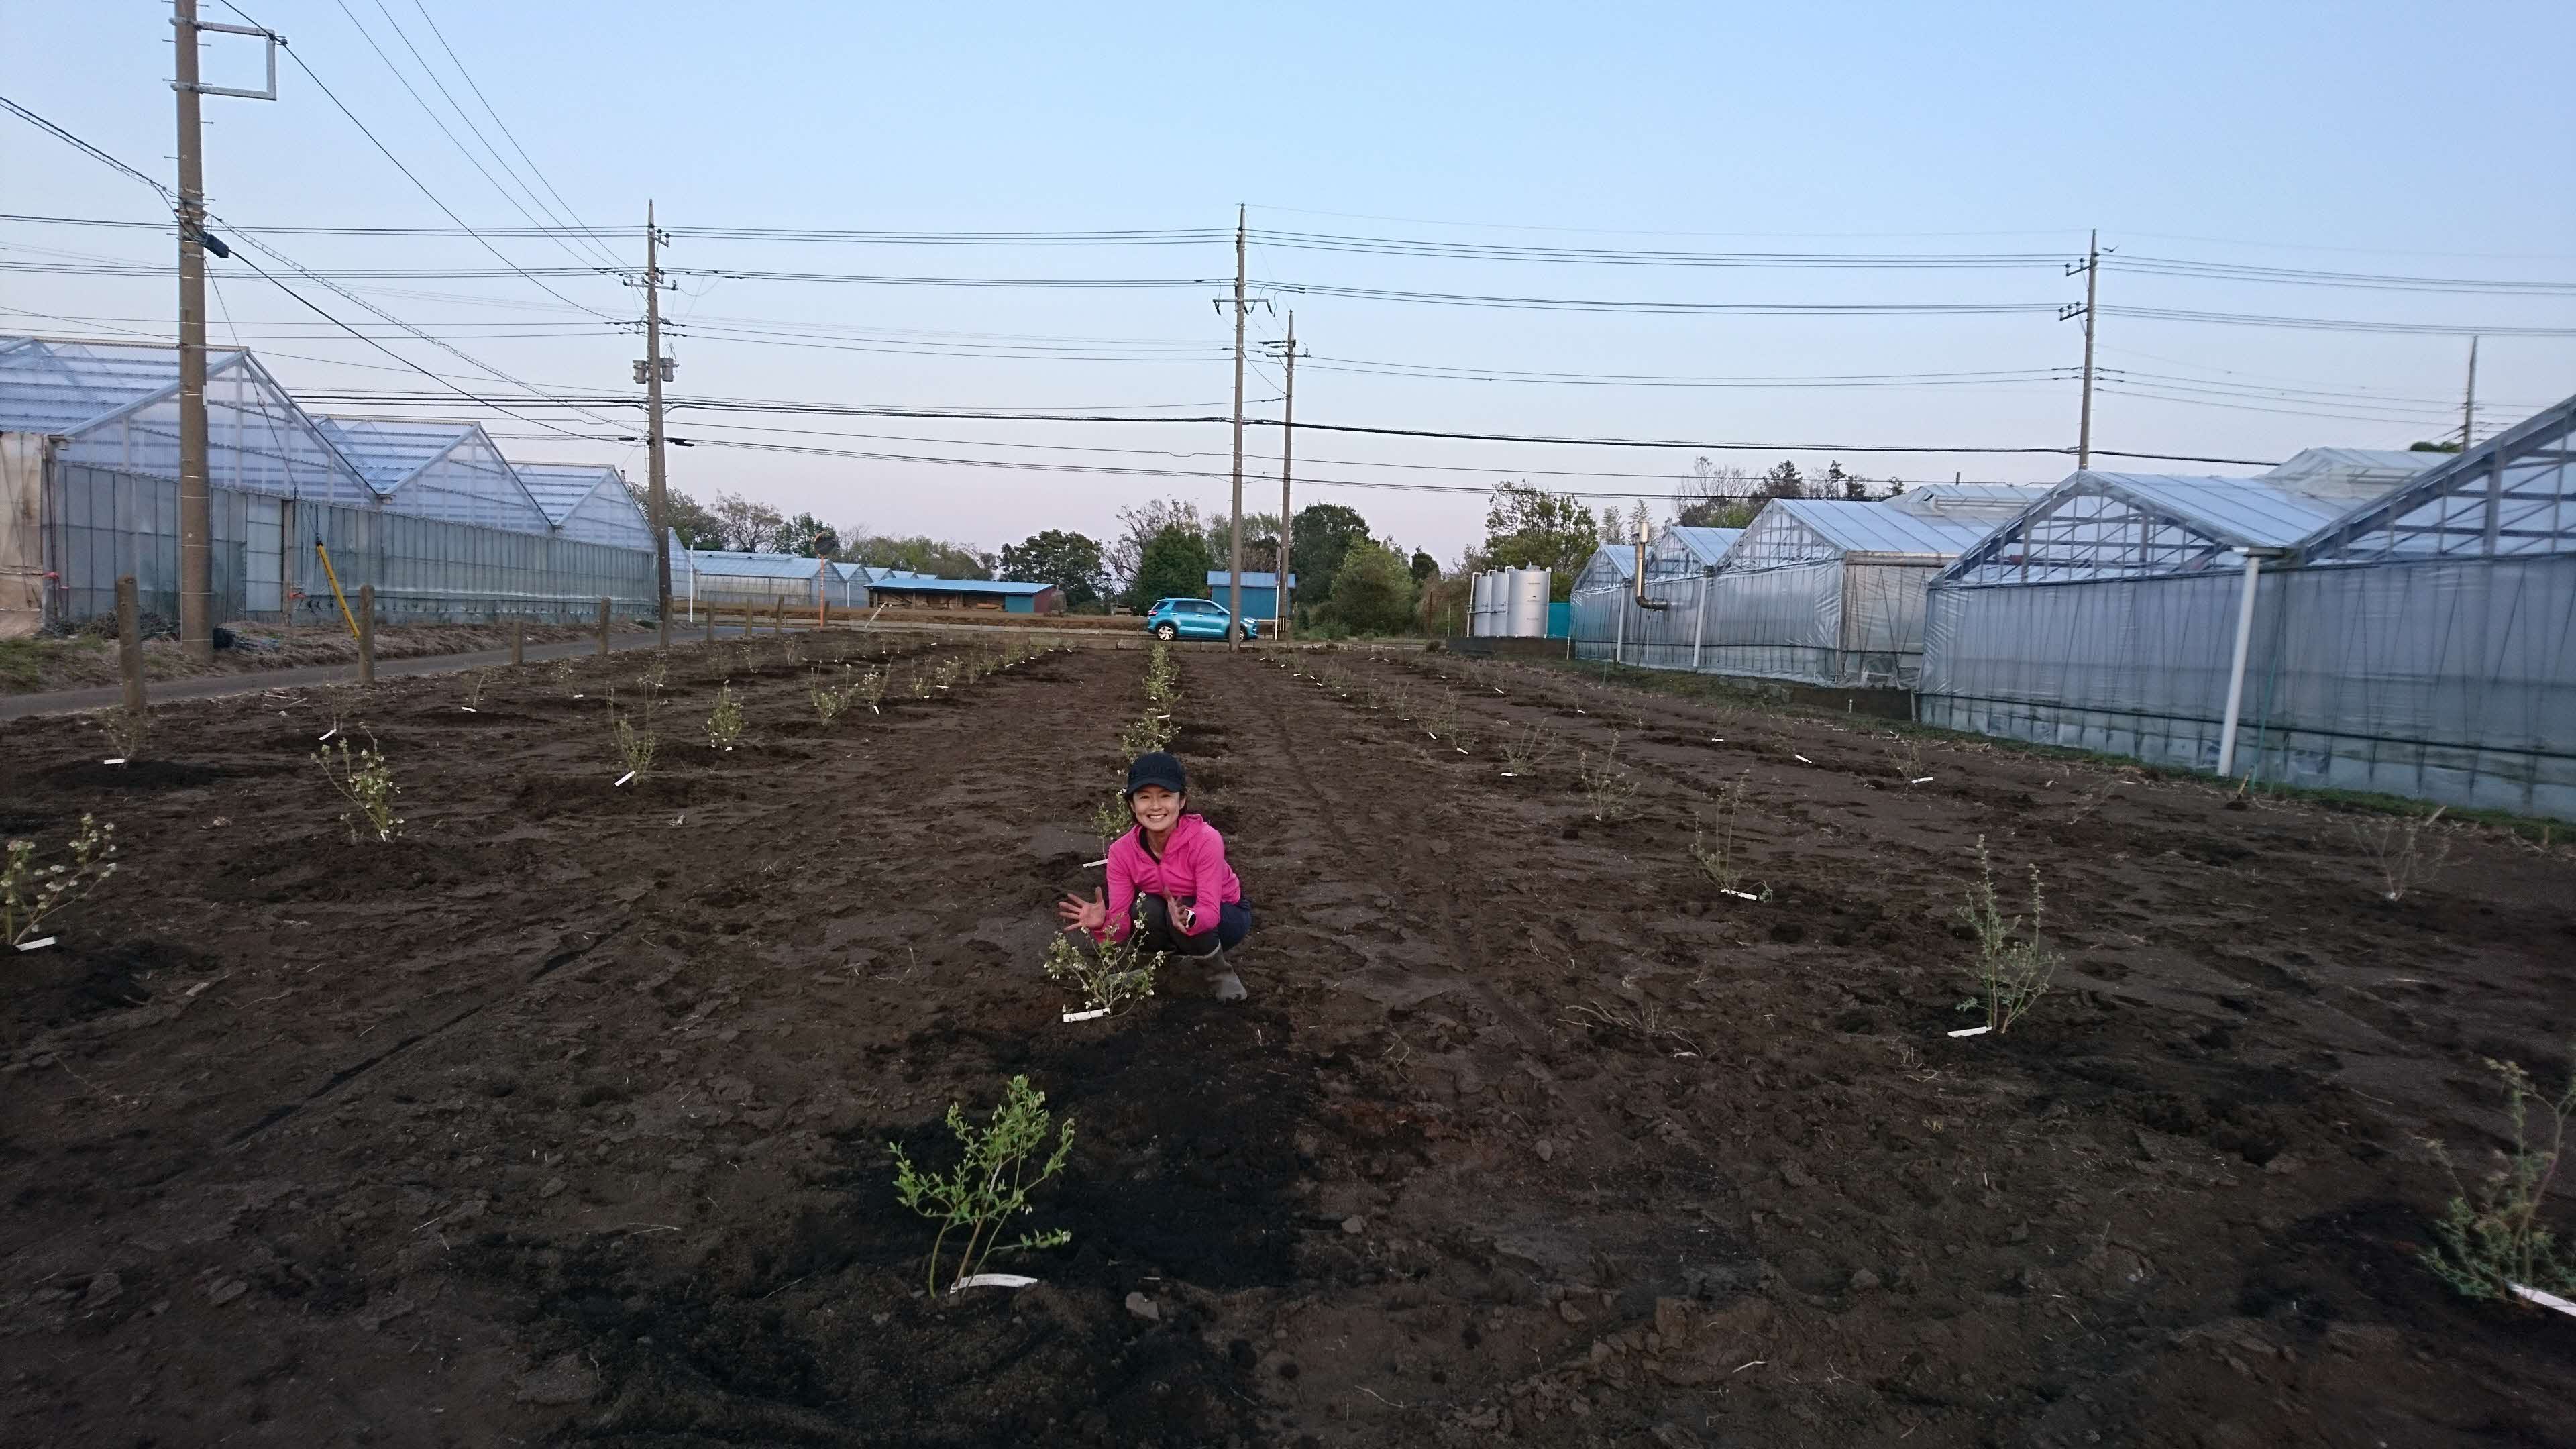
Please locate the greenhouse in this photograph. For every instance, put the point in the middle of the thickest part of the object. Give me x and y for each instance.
(588, 503)
(2421, 641)
(428, 513)
(1815, 591)
(793, 584)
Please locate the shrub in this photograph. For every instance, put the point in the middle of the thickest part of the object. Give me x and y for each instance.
(1607, 788)
(1715, 852)
(126, 730)
(634, 746)
(1111, 820)
(2404, 858)
(29, 892)
(1111, 976)
(2490, 1241)
(724, 722)
(1525, 754)
(991, 1183)
(366, 782)
(2012, 970)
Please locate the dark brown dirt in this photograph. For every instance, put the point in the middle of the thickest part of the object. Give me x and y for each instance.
(565, 1118)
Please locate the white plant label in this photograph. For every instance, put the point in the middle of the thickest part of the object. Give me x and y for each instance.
(469, 709)
(326, 734)
(38, 944)
(994, 1280)
(119, 760)
(1508, 775)
(577, 696)
(1743, 895)
(1094, 1014)
(1972, 1031)
(622, 779)
(1088, 864)
(1461, 750)
(1801, 759)
(2545, 1300)
(1920, 780)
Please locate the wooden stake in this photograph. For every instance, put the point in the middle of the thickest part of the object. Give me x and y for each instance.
(366, 634)
(518, 640)
(129, 645)
(603, 628)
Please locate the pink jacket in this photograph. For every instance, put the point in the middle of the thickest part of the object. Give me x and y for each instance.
(1192, 871)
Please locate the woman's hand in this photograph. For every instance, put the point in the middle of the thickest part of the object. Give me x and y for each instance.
(1081, 915)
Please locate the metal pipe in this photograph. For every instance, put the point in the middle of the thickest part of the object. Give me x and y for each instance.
(2236, 670)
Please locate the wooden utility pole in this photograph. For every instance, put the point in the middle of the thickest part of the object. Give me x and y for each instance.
(1281, 593)
(1234, 581)
(656, 369)
(2092, 275)
(2469, 404)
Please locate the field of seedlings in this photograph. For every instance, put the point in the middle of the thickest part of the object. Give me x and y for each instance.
(565, 1055)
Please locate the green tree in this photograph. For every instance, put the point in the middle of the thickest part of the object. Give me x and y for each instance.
(1849, 487)
(1260, 540)
(1323, 534)
(2452, 446)
(1372, 591)
(920, 554)
(1531, 528)
(1069, 561)
(1784, 481)
(744, 526)
(1442, 606)
(687, 517)
(1137, 527)
(809, 537)
(1174, 565)
(1424, 566)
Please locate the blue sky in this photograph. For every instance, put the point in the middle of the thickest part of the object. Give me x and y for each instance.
(2298, 137)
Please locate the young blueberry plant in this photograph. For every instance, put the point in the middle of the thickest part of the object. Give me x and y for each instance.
(126, 730)
(2404, 857)
(724, 723)
(635, 746)
(2013, 969)
(363, 779)
(1111, 977)
(1607, 787)
(1111, 821)
(2489, 1240)
(31, 890)
(1715, 849)
(991, 1185)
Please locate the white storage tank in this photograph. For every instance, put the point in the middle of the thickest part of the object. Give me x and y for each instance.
(1526, 603)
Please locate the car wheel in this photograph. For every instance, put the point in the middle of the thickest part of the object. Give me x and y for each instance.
(1166, 632)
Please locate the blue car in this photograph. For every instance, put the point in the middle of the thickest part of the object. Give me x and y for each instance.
(1193, 619)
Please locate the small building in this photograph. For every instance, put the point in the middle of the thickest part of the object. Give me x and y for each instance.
(895, 589)
(1260, 591)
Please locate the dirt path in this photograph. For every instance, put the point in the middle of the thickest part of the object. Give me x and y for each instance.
(565, 1118)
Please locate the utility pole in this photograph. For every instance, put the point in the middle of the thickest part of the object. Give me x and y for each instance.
(196, 517)
(2092, 275)
(1281, 592)
(1234, 582)
(653, 371)
(2469, 404)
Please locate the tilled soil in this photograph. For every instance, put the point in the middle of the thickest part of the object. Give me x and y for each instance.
(566, 1118)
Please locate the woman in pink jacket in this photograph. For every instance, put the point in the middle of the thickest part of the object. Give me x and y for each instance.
(1192, 905)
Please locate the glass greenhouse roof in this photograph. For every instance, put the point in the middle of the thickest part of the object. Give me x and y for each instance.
(588, 502)
(2511, 496)
(62, 387)
(2141, 525)
(1830, 528)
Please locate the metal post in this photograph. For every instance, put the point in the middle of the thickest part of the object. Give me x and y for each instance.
(2092, 274)
(603, 628)
(2469, 402)
(1619, 635)
(129, 645)
(1699, 621)
(653, 367)
(2236, 671)
(1234, 582)
(196, 521)
(366, 634)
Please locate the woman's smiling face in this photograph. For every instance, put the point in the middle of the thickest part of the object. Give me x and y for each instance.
(1156, 808)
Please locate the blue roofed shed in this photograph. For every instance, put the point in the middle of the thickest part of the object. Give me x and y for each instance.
(897, 589)
(1260, 591)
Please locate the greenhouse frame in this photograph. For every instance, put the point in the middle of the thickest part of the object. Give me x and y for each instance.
(726, 580)
(430, 514)
(588, 503)
(1812, 591)
(2420, 641)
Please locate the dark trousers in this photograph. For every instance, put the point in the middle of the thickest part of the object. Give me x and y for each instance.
(1159, 933)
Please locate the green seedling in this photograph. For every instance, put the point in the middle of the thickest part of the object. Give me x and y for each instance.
(2013, 969)
(991, 1185)
(30, 890)
(2489, 1241)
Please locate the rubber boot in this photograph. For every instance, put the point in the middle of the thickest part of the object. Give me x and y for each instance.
(1221, 978)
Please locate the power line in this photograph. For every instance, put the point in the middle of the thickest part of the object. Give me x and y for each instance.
(422, 186)
(600, 248)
